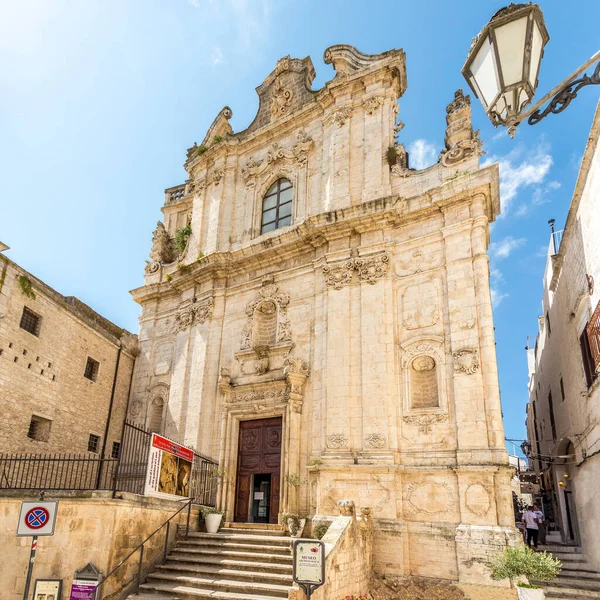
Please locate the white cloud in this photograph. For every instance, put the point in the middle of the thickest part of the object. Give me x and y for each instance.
(194, 3)
(216, 56)
(497, 297)
(504, 248)
(422, 154)
(516, 174)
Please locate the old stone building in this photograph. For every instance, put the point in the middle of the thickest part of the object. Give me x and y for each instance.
(317, 317)
(65, 371)
(563, 413)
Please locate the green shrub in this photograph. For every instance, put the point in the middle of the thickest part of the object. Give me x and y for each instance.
(201, 149)
(320, 529)
(210, 510)
(521, 561)
(181, 237)
(293, 522)
(25, 285)
(217, 139)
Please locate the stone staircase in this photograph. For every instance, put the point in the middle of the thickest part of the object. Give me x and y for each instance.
(577, 581)
(240, 562)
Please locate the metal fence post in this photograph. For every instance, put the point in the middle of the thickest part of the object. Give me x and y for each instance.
(139, 575)
(187, 526)
(166, 542)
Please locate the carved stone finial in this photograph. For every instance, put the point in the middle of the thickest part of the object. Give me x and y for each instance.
(461, 142)
(346, 508)
(162, 248)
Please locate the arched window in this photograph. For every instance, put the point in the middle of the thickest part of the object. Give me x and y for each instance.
(277, 206)
(423, 383)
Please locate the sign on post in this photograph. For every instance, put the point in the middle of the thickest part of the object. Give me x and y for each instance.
(308, 567)
(37, 518)
(169, 469)
(83, 590)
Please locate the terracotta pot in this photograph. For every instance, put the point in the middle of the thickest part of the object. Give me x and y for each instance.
(212, 522)
(530, 593)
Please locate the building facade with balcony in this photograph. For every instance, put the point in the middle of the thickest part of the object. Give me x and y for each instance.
(563, 413)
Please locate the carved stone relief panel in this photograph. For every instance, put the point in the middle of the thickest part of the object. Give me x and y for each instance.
(192, 312)
(423, 382)
(466, 361)
(337, 441)
(420, 304)
(426, 499)
(478, 499)
(419, 260)
(163, 356)
(375, 440)
(369, 269)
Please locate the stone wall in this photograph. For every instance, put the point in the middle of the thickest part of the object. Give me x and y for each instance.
(93, 529)
(43, 375)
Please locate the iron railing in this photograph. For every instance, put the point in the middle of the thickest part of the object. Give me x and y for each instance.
(56, 472)
(127, 586)
(85, 472)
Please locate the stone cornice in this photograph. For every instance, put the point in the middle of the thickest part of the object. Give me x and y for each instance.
(315, 231)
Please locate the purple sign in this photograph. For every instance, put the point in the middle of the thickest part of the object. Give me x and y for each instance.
(83, 590)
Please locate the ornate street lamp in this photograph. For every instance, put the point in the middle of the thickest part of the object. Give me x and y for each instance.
(503, 64)
(526, 448)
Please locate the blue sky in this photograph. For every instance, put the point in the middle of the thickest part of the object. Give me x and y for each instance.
(99, 100)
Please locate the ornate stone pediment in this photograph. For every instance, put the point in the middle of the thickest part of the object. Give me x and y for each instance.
(296, 155)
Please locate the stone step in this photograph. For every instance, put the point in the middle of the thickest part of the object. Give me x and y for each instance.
(227, 545)
(268, 532)
(560, 548)
(236, 554)
(569, 557)
(245, 565)
(243, 537)
(568, 590)
(183, 592)
(218, 584)
(207, 570)
(250, 526)
(568, 571)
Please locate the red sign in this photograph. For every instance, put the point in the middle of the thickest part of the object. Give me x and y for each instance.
(37, 517)
(168, 446)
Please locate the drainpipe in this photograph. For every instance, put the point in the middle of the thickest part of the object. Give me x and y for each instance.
(110, 407)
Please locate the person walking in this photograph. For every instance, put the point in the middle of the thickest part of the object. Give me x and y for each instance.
(541, 524)
(530, 521)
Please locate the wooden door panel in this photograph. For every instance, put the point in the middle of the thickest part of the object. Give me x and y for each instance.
(242, 497)
(274, 504)
(259, 452)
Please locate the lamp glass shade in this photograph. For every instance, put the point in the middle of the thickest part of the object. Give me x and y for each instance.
(510, 41)
(484, 74)
(504, 60)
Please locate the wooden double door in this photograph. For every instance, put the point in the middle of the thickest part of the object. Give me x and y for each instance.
(258, 471)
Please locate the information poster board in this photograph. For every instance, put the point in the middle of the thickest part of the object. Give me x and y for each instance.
(309, 562)
(169, 469)
(47, 589)
(82, 589)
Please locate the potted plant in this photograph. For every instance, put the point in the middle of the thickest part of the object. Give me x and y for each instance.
(212, 519)
(519, 563)
(295, 524)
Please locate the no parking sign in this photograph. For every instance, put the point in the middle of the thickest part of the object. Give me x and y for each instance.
(37, 518)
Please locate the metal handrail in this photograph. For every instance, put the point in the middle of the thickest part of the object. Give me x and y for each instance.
(140, 547)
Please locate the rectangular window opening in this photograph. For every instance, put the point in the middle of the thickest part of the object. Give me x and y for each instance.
(587, 359)
(562, 389)
(91, 369)
(30, 322)
(93, 443)
(115, 449)
(39, 429)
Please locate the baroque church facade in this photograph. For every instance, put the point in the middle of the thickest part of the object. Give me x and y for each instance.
(317, 317)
